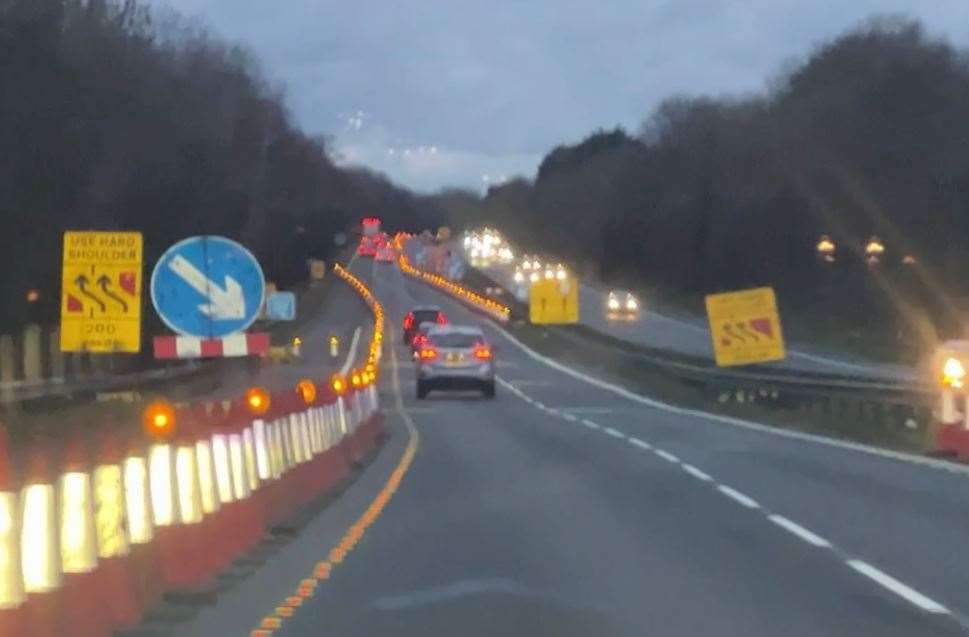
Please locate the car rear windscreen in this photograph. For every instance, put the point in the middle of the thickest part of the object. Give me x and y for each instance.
(421, 316)
(455, 340)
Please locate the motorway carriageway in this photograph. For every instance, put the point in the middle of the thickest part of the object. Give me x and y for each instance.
(563, 508)
(691, 336)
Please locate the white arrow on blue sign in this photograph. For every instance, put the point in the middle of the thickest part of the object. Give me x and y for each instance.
(207, 287)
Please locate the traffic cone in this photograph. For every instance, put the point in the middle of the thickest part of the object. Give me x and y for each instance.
(83, 610)
(222, 466)
(39, 544)
(190, 571)
(164, 505)
(114, 547)
(13, 598)
(247, 522)
(215, 529)
(141, 524)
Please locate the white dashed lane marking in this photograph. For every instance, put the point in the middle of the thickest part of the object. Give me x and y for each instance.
(696, 473)
(666, 455)
(590, 424)
(737, 496)
(614, 433)
(642, 444)
(799, 531)
(895, 586)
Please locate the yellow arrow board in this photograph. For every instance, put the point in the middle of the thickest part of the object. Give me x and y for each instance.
(101, 292)
(553, 301)
(745, 327)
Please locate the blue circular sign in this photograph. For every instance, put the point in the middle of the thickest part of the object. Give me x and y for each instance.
(207, 287)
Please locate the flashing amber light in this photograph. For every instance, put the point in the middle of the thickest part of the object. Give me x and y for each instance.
(953, 373)
(339, 384)
(908, 259)
(306, 390)
(825, 245)
(33, 296)
(158, 420)
(297, 341)
(355, 378)
(257, 400)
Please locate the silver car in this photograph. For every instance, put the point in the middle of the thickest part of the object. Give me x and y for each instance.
(455, 357)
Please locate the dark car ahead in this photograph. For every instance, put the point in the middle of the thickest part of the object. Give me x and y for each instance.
(425, 314)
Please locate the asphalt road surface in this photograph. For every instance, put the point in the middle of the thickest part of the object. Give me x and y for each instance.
(691, 336)
(562, 508)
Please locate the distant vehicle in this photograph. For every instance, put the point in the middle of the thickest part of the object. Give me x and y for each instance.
(385, 253)
(455, 357)
(421, 336)
(622, 306)
(370, 226)
(367, 247)
(418, 315)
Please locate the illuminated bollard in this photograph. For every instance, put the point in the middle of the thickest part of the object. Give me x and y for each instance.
(39, 546)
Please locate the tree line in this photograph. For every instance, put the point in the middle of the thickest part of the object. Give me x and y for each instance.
(866, 137)
(113, 116)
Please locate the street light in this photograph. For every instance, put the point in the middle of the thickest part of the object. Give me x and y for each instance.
(874, 250)
(825, 249)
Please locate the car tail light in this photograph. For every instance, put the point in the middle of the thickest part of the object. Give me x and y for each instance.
(482, 353)
(419, 340)
(441, 318)
(409, 321)
(428, 353)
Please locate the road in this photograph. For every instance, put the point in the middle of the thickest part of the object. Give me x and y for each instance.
(561, 508)
(691, 336)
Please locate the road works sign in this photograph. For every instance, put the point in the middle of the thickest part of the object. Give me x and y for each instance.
(101, 292)
(553, 301)
(745, 327)
(207, 287)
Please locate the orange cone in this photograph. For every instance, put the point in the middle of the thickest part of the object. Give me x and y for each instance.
(190, 571)
(13, 598)
(84, 600)
(114, 546)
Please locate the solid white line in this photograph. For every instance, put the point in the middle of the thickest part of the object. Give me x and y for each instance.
(666, 455)
(541, 406)
(590, 424)
(798, 530)
(895, 586)
(351, 352)
(696, 473)
(737, 422)
(642, 444)
(614, 433)
(737, 496)
(569, 417)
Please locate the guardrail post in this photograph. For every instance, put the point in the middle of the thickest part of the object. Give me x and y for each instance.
(56, 356)
(33, 361)
(8, 359)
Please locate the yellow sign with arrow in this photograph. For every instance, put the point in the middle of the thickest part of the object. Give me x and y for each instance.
(101, 292)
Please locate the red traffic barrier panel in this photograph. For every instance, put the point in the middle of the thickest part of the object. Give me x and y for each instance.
(233, 543)
(39, 547)
(13, 597)
(954, 439)
(83, 611)
(248, 518)
(114, 546)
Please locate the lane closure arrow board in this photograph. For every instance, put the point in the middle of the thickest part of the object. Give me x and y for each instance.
(207, 287)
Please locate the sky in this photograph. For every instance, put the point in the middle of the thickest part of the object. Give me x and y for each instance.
(439, 93)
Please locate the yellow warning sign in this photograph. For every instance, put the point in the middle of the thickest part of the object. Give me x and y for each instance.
(745, 327)
(554, 301)
(101, 292)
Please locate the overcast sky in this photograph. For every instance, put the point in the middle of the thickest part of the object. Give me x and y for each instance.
(445, 92)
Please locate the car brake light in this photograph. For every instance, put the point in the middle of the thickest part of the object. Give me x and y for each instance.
(409, 321)
(419, 340)
(428, 353)
(441, 319)
(482, 353)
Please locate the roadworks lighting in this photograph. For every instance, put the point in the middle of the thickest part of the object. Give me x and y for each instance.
(953, 373)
